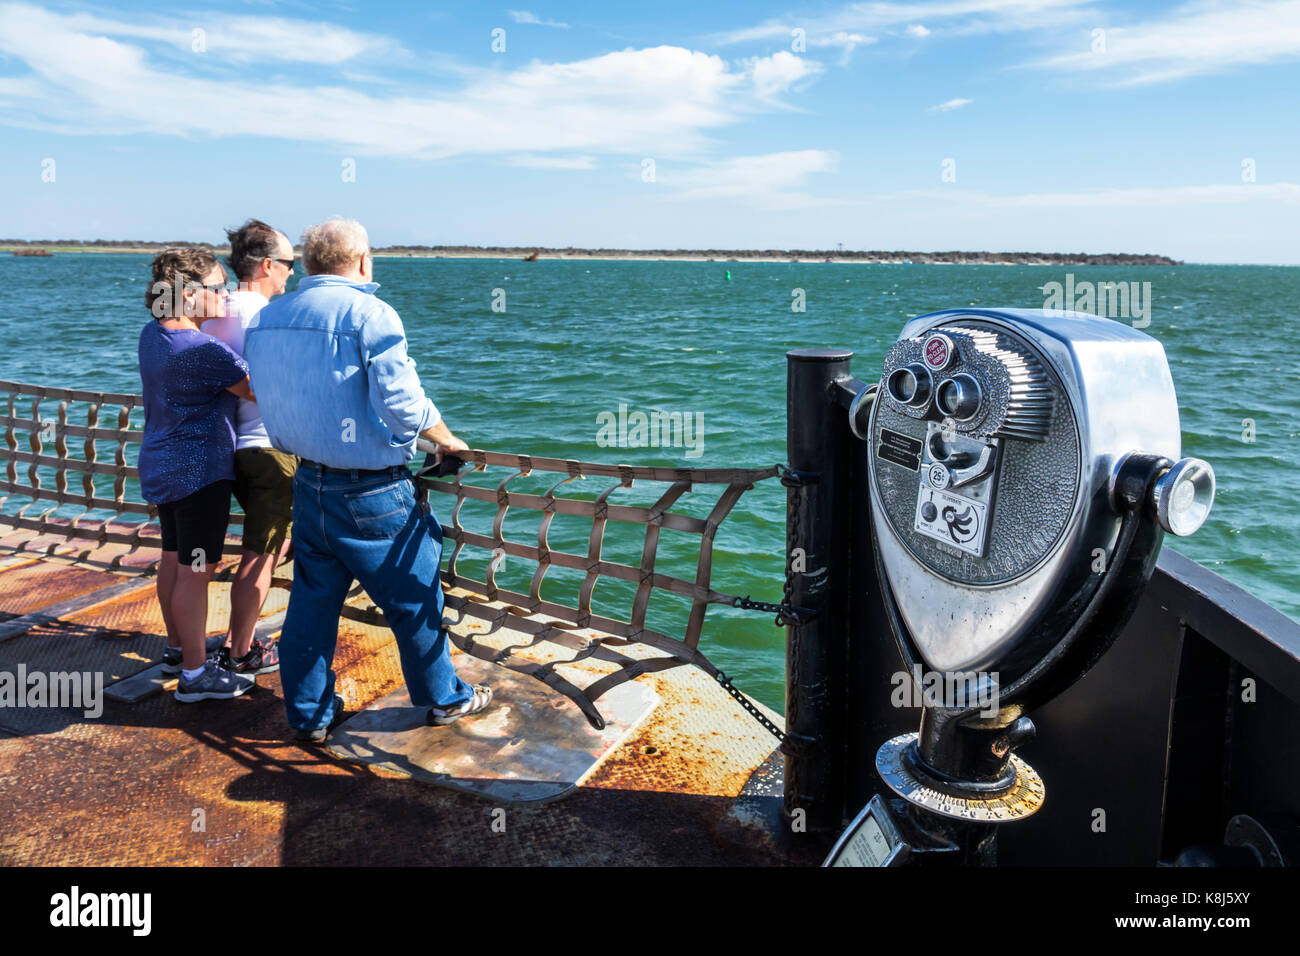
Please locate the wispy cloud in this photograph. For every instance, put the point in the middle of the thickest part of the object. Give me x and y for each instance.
(844, 40)
(1205, 36)
(1217, 194)
(526, 16)
(84, 77)
(232, 39)
(963, 16)
(1198, 38)
(1172, 196)
(773, 180)
(948, 106)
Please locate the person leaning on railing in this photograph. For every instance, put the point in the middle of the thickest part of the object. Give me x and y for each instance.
(337, 388)
(189, 381)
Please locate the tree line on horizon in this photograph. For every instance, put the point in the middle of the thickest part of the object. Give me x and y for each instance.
(956, 256)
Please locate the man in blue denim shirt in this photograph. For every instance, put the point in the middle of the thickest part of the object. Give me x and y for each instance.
(336, 387)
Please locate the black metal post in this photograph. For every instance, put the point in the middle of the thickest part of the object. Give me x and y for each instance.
(817, 533)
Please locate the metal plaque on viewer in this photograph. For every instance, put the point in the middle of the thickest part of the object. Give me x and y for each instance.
(871, 839)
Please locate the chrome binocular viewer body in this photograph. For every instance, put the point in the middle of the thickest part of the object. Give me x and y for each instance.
(1024, 466)
(1000, 441)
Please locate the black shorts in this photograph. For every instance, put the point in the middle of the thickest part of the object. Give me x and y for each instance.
(195, 526)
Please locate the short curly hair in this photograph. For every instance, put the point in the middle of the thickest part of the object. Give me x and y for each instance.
(334, 246)
(179, 266)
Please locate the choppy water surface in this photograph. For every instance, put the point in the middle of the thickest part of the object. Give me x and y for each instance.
(578, 339)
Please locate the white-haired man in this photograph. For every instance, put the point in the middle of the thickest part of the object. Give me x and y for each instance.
(336, 387)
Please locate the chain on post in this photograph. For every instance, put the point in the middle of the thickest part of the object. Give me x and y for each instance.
(786, 612)
(794, 509)
(750, 708)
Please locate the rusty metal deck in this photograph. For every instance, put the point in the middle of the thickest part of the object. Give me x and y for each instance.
(220, 783)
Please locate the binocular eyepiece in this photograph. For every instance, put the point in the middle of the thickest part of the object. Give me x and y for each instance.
(910, 385)
(956, 397)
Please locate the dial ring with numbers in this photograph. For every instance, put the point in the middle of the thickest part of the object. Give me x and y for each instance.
(1024, 798)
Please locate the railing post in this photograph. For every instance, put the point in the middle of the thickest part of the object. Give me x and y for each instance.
(817, 548)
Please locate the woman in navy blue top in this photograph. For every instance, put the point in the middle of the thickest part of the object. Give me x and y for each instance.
(190, 381)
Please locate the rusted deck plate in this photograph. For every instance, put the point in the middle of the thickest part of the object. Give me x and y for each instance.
(529, 747)
(29, 587)
(221, 783)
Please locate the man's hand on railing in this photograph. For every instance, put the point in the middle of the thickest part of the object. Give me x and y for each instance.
(446, 443)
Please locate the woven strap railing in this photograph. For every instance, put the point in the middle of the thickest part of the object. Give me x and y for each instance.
(45, 418)
(45, 474)
(518, 610)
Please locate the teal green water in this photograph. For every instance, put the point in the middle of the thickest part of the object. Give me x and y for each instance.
(576, 339)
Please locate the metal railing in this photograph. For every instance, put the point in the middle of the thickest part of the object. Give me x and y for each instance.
(38, 496)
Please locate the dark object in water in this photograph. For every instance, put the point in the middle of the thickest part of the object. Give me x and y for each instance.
(33, 252)
(531, 257)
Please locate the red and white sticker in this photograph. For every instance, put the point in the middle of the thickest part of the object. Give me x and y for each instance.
(937, 351)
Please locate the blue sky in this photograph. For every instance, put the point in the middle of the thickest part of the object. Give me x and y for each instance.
(1062, 125)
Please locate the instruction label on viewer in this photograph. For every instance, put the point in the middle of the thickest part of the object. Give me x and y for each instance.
(900, 449)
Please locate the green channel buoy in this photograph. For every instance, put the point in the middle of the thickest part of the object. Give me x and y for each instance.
(728, 275)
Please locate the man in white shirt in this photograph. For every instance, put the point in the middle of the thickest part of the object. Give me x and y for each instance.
(261, 258)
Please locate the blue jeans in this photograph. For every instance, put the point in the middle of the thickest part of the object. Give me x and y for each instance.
(368, 527)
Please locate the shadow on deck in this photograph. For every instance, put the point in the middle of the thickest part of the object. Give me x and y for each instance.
(156, 782)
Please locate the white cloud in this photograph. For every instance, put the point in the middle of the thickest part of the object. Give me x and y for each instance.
(779, 72)
(22, 88)
(948, 106)
(259, 39)
(1198, 38)
(525, 16)
(661, 101)
(916, 30)
(772, 179)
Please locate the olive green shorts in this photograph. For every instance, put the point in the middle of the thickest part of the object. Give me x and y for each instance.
(264, 489)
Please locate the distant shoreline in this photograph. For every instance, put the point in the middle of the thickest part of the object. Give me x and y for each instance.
(874, 257)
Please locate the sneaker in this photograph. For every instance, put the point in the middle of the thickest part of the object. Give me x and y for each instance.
(260, 659)
(171, 660)
(215, 683)
(318, 735)
(442, 716)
